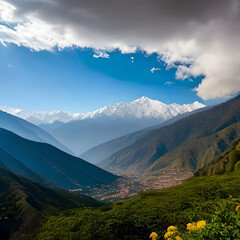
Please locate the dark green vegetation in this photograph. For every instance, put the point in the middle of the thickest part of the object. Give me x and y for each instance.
(24, 204)
(47, 164)
(188, 144)
(228, 161)
(213, 199)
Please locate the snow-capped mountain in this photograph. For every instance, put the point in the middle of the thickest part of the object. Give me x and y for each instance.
(141, 108)
(113, 121)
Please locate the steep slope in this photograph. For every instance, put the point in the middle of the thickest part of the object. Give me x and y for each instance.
(24, 204)
(228, 161)
(187, 144)
(56, 166)
(110, 122)
(105, 150)
(10, 162)
(28, 130)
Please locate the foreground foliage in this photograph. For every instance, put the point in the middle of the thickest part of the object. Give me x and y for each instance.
(212, 199)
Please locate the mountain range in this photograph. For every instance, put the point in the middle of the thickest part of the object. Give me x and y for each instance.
(28, 130)
(105, 150)
(46, 164)
(143, 107)
(187, 144)
(80, 132)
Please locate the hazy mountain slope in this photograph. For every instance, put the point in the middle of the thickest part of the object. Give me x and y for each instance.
(82, 135)
(115, 121)
(24, 204)
(105, 150)
(10, 162)
(28, 130)
(228, 161)
(49, 127)
(182, 140)
(62, 169)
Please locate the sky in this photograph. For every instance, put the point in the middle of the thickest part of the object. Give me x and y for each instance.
(78, 56)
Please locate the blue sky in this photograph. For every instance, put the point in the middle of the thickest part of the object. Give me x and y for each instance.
(74, 81)
(200, 40)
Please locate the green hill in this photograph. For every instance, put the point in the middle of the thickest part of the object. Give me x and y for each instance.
(47, 164)
(228, 161)
(186, 145)
(24, 204)
(212, 199)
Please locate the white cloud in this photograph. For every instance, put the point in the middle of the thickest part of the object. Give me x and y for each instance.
(100, 54)
(203, 36)
(169, 83)
(155, 69)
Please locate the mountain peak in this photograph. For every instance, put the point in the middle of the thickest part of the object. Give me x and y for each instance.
(143, 98)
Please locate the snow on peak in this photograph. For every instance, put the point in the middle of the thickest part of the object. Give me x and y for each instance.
(142, 107)
(10, 110)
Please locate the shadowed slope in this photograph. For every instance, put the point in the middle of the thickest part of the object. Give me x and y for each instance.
(228, 161)
(62, 169)
(24, 204)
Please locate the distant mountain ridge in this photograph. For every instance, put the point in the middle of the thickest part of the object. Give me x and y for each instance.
(28, 130)
(143, 107)
(113, 121)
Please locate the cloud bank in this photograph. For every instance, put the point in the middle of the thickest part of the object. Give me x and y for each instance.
(200, 38)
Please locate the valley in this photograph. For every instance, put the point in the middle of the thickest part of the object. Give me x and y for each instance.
(128, 186)
(135, 185)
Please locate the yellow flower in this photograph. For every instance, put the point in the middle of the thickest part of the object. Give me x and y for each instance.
(178, 238)
(154, 236)
(201, 224)
(195, 226)
(238, 208)
(167, 235)
(172, 229)
(191, 226)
